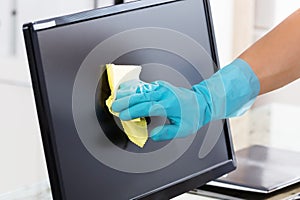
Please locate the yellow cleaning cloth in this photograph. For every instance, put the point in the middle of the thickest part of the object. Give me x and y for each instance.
(136, 129)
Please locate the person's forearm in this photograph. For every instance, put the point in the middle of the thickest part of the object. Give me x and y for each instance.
(275, 58)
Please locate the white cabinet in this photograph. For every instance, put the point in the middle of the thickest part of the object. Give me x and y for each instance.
(22, 159)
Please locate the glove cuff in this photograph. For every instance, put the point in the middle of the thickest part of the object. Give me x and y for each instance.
(252, 87)
(231, 91)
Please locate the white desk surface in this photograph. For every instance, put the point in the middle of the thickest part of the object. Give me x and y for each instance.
(41, 191)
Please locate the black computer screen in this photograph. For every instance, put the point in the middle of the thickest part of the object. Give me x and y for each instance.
(172, 41)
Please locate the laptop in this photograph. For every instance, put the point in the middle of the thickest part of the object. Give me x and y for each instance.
(262, 169)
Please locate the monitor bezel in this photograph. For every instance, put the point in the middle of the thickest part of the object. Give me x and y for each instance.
(43, 110)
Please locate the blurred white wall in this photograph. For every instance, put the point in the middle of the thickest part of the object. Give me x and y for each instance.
(33, 10)
(22, 159)
(5, 27)
(222, 14)
(268, 14)
(238, 24)
(273, 119)
(243, 21)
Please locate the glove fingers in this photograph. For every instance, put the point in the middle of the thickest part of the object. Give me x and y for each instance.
(135, 87)
(132, 84)
(129, 88)
(121, 93)
(129, 101)
(162, 133)
(142, 110)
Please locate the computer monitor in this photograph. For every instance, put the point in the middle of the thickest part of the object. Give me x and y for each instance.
(88, 155)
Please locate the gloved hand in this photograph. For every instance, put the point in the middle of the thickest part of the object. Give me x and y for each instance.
(179, 105)
(229, 92)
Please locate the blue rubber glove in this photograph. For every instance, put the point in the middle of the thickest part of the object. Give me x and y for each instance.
(229, 92)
